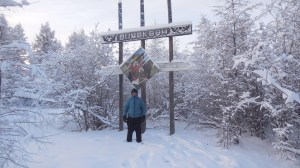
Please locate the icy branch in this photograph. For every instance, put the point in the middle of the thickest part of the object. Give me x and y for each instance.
(291, 96)
(13, 3)
(296, 151)
(17, 44)
(102, 119)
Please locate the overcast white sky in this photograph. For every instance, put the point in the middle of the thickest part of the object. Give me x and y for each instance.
(66, 16)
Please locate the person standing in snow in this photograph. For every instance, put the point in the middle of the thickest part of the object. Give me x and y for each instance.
(134, 114)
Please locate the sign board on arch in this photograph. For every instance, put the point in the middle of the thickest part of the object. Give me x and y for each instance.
(149, 32)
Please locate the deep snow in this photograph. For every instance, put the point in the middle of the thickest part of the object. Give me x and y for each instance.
(185, 149)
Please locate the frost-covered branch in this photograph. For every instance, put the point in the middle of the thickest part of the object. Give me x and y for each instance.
(291, 96)
(13, 3)
(296, 151)
(18, 44)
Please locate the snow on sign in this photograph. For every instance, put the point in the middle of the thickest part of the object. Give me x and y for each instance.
(148, 32)
(139, 68)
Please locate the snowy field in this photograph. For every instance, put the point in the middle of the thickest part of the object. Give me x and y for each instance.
(185, 149)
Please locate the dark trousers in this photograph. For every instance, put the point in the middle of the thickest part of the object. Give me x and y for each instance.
(134, 124)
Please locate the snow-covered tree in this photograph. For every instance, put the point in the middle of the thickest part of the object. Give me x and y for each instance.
(202, 87)
(276, 60)
(13, 3)
(20, 92)
(3, 28)
(17, 33)
(235, 36)
(157, 86)
(45, 42)
(223, 86)
(76, 40)
(78, 84)
(283, 35)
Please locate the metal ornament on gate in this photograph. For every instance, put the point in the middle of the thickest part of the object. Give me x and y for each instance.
(139, 68)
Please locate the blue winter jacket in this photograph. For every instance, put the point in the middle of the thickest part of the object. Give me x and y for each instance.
(134, 107)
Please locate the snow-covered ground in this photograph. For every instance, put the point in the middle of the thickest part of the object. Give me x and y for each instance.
(185, 149)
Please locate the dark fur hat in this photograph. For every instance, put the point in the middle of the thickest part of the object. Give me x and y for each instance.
(134, 90)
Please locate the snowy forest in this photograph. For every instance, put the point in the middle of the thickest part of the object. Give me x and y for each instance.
(247, 80)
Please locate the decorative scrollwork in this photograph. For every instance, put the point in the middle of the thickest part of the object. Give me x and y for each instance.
(109, 38)
(180, 30)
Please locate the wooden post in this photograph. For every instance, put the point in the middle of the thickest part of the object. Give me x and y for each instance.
(0, 83)
(121, 127)
(171, 76)
(143, 45)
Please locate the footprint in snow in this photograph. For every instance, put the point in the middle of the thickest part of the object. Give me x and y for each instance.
(127, 164)
(146, 158)
(186, 153)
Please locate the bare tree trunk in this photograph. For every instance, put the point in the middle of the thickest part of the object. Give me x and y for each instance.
(85, 120)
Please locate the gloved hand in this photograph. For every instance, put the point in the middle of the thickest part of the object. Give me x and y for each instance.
(124, 119)
(143, 118)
